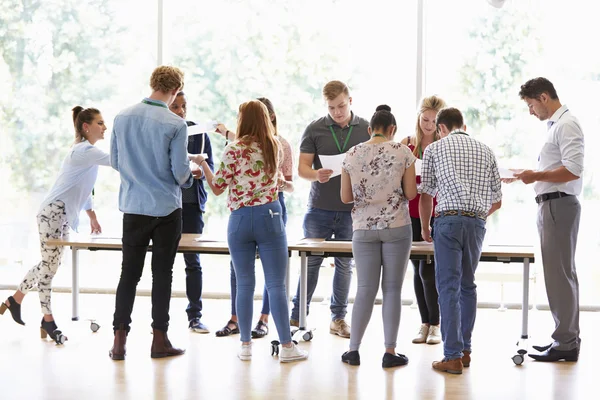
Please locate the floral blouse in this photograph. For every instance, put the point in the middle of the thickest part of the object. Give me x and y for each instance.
(376, 172)
(242, 169)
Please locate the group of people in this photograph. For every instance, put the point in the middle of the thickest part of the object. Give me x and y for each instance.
(380, 202)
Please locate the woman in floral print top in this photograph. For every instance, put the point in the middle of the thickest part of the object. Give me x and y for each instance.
(250, 169)
(379, 177)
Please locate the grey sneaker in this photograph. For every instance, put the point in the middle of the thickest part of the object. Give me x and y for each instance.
(339, 327)
(197, 326)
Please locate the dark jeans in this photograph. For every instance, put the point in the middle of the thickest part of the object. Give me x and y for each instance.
(233, 282)
(193, 223)
(138, 230)
(424, 282)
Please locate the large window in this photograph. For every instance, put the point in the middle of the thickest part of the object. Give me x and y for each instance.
(477, 58)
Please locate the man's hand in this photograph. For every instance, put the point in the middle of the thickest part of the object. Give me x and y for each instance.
(323, 175)
(96, 228)
(426, 234)
(527, 176)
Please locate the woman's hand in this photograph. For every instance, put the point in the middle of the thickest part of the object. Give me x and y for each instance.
(95, 225)
(197, 158)
(222, 130)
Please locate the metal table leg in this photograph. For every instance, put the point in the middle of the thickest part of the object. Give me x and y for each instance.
(75, 294)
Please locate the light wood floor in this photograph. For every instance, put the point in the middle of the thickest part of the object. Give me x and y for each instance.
(31, 368)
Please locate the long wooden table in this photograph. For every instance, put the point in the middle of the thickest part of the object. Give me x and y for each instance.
(419, 251)
(193, 243)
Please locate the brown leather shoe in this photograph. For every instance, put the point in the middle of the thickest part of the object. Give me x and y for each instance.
(454, 366)
(118, 350)
(466, 359)
(162, 347)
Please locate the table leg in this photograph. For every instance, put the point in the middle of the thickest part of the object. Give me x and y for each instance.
(75, 293)
(303, 288)
(287, 277)
(524, 334)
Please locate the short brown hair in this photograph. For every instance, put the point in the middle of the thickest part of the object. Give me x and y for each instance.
(534, 88)
(334, 88)
(166, 79)
(451, 117)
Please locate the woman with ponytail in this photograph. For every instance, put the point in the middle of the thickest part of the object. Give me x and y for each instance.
(71, 193)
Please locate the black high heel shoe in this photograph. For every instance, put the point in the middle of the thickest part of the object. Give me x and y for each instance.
(14, 308)
(50, 329)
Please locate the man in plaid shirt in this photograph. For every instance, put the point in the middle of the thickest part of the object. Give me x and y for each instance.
(463, 173)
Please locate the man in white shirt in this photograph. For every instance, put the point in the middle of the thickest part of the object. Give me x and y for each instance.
(557, 183)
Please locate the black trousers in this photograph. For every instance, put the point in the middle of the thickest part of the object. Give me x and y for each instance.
(193, 223)
(424, 282)
(138, 230)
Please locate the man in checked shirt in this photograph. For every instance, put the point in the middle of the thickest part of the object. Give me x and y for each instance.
(463, 173)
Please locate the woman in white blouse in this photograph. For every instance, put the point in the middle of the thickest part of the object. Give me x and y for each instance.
(379, 177)
(71, 193)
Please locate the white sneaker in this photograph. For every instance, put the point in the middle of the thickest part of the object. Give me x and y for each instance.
(434, 336)
(422, 335)
(245, 353)
(291, 354)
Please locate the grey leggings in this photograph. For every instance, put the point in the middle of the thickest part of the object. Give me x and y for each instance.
(386, 250)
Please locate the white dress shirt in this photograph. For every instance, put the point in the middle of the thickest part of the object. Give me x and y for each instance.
(564, 147)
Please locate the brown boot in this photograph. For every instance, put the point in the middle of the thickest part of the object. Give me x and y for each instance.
(162, 347)
(453, 366)
(466, 359)
(118, 350)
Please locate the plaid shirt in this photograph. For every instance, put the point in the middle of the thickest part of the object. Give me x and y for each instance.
(462, 172)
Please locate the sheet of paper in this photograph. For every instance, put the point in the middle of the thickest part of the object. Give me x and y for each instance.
(418, 166)
(207, 126)
(333, 162)
(508, 173)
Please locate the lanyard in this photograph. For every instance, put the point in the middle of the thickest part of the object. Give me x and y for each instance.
(421, 150)
(341, 149)
(379, 135)
(558, 119)
(154, 104)
(458, 132)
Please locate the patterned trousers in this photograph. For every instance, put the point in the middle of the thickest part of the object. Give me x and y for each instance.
(52, 224)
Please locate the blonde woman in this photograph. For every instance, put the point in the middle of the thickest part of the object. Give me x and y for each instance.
(424, 273)
(71, 193)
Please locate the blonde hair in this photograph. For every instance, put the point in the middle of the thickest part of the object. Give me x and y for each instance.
(431, 103)
(166, 79)
(254, 125)
(82, 116)
(334, 88)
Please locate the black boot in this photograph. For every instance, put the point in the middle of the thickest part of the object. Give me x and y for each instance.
(49, 328)
(14, 308)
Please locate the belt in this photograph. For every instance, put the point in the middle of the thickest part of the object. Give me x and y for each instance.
(550, 196)
(461, 213)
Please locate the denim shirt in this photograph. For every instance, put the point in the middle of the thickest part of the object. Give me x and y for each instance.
(149, 149)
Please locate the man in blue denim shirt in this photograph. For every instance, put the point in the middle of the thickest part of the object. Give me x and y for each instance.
(149, 149)
(327, 216)
(463, 173)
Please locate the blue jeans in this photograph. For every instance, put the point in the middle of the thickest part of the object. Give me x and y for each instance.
(325, 224)
(457, 244)
(260, 227)
(193, 223)
(233, 282)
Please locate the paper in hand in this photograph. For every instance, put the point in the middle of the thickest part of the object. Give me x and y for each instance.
(204, 127)
(507, 173)
(333, 163)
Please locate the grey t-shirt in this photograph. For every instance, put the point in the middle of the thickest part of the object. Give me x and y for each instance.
(317, 139)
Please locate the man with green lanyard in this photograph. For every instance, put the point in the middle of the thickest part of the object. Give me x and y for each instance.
(149, 149)
(327, 217)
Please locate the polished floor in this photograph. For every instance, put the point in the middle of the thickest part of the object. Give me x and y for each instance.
(31, 368)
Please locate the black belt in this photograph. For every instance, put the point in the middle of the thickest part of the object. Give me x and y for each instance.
(470, 214)
(550, 196)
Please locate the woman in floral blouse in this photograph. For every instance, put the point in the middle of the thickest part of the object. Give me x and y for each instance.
(379, 177)
(249, 169)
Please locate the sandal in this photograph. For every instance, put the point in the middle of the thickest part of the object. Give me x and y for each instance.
(226, 330)
(260, 330)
